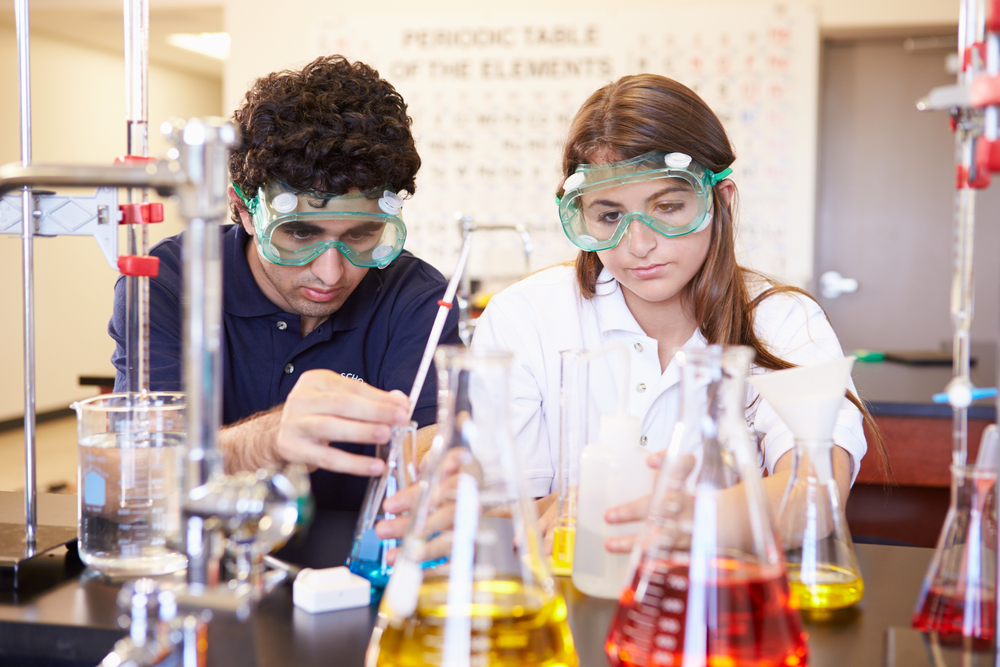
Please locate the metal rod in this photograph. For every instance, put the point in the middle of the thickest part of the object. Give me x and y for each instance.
(163, 176)
(28, 268)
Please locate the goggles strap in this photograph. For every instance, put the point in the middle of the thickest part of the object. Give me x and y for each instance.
(712, 178)
(250, 204)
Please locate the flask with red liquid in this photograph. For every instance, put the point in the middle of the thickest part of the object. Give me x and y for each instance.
(708, 583)
(958, 597)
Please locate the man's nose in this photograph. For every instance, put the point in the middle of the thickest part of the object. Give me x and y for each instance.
(329, 267)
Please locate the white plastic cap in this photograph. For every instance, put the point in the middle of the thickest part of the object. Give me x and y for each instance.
(381, 251)
(285, 202)
(574, 181)
(677, 160)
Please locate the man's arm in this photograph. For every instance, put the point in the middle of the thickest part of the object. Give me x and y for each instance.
(323, 407)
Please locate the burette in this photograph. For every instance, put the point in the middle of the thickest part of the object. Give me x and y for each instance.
(136, 266)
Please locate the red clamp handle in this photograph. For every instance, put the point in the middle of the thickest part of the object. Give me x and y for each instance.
(133, 214)
(134, 159)
(445, 304)
(137, 265)
(993, 15)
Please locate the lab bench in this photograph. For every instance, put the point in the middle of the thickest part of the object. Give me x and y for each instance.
(918, 441)
(74, 622)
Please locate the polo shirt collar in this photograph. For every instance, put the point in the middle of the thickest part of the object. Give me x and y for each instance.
(613, 313)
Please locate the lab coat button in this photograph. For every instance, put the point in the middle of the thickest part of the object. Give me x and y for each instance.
(641, 387)
(638, 347)
(282, 326)
(289, 369)
(642, 441)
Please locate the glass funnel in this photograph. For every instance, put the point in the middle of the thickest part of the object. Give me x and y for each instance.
(708, 584)
(368, 552)
(492, 599)
(958, 597)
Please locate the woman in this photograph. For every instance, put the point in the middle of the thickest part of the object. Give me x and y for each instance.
(647, 201)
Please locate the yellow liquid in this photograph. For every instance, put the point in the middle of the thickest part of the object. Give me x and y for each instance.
(510, 625)
(835, 588)
(562, 550)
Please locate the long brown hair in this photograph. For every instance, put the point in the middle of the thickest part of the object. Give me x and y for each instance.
(647, 112)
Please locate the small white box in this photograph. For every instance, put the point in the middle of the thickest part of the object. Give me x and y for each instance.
(333, 588)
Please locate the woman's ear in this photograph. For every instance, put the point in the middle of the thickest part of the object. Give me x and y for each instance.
(726, 189)
(242, 210)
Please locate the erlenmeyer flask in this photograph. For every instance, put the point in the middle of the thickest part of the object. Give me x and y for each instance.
(823, 571)
(958, 597)
(709, 584)
(493, 600)
(368, 552)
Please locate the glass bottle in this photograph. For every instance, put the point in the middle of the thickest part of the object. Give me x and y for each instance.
(958, 597)
(368, 552)
(492, 600)
(708, 584)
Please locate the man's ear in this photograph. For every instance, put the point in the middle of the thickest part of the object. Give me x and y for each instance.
(242, 210)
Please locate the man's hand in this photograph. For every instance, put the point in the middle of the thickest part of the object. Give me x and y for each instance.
(322, 407)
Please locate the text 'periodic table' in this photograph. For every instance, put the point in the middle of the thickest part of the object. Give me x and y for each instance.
(492, 96)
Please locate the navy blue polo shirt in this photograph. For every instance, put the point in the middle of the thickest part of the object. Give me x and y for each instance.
(376, 337)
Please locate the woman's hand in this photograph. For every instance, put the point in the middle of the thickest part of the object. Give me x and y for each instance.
(637, 510)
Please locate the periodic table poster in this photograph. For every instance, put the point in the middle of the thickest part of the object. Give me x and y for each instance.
(492, 96)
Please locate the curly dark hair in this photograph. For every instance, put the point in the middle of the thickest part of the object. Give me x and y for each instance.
(331, 127)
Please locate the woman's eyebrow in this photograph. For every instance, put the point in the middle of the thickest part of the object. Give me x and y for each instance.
(659, 193)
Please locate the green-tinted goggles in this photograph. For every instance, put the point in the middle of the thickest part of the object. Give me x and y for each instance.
(595, 217)
(294, 228)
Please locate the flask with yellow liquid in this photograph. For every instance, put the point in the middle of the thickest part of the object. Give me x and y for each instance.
(470, 585)
(823, 572)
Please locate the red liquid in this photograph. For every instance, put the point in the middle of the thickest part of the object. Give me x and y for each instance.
(946, 612)
(744, 621)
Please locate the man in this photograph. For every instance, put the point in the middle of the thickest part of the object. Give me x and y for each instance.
(325, 317)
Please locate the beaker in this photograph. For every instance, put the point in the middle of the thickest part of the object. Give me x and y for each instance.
(368, 552)
(823, 571)
(492, 601)
(129, 484)
(958, 596)
(709, 585)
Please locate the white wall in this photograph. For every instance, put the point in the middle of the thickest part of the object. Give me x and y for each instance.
(78, 108)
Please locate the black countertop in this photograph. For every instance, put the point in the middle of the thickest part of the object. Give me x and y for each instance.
(74, 622)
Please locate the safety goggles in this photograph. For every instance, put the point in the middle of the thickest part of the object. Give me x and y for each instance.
(292, 230)
(595, 217)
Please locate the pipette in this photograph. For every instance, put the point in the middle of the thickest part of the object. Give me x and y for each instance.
(444, 305)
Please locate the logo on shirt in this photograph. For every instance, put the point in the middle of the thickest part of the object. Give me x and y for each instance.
(352, 376)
